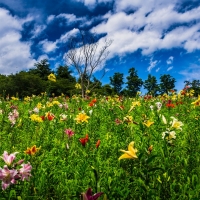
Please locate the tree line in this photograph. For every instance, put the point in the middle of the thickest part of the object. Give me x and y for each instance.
(35, 81)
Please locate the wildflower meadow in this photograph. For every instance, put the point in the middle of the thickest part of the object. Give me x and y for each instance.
(100, 147)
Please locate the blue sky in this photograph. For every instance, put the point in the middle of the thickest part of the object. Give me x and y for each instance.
(155, 36)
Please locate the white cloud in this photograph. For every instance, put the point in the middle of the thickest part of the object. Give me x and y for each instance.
(91, 4)
(15, 55)
(70, 18)
(169, 68)
(170, 60)
(37, 30)
(154, 25)
(42, 57)
(157, 69)
(50, 18)
(66, 36)
(48, 46)
(191, 73)
(152, 64)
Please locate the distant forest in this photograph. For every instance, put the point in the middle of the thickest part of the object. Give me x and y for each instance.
(35, 81)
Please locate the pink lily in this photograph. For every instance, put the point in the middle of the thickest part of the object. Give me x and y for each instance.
(25, 171)
(8, 177)
(8, 158)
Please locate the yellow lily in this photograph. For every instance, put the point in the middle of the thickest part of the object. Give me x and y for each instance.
(148, 123)
(130, 154)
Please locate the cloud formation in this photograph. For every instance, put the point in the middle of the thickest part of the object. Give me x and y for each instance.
(151, 27)
(14, 54)
(29, 32)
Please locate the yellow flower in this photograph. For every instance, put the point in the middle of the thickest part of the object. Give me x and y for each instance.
(82, 117)
(52, 77)
(56, 103)
(128, 119)
(39, 106)
(78, 86)
(130, 154)
(197, 102)
(36, 118)
(191, 93)
(15, 98)
(134, 104)
(49, 104)
(87, 91)
(27, 98)
(148, 123)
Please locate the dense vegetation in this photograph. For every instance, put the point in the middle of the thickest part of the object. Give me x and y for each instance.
(128, 148)
(35, 81)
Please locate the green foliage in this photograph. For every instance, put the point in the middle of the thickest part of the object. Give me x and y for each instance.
(167, 83)
(151, 85)
(117, 82)
(134, 83)
(63, 72)
(63, 168)
(42, 69)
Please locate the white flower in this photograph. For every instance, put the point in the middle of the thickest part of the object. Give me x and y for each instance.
(164, 119)
(63, 117)
(151, 107)
(90, 112)
(158, 105)
(169, 135)
(36, 110)
(176, 124)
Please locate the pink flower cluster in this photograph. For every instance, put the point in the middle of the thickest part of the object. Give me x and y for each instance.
(12, 116)
(12, 172)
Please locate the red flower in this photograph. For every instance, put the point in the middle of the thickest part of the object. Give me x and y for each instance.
(50, 116)
(84, 140)
(91, 104)
(43, 118)
(121, 107)
(183, 92)
(98, 143)
(170, 105)
(94, 101)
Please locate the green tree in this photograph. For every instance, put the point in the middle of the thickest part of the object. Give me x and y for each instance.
(3, 85)
(96, 86)
(117, 82)
(42, 69)
(63, 72)
(24, 84)
(106, 90)
(167, 82)
(151, 85)
(134, 83)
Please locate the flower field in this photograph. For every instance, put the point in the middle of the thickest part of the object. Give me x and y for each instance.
(100, 148)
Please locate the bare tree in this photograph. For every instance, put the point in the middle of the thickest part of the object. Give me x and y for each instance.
(87, 56)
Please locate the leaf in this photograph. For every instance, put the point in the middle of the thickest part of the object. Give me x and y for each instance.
(151, 159)
(105, 197)
(12, 194)
(95, 173)
(155, 168)
(140, 155)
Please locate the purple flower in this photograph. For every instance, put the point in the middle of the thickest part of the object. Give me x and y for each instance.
(69, 132)
(8, 176)
(25, 171)
(8, 159)
(88, 195)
